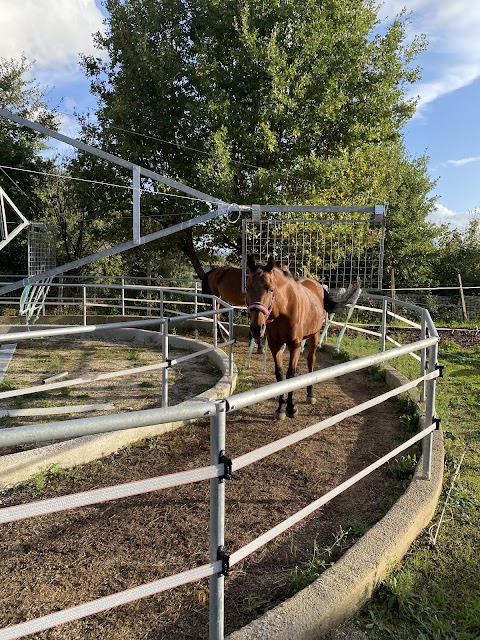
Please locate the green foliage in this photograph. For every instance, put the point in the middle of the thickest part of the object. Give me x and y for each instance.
(403, 468)
(433, 595)
(258, 101)
(459, 250)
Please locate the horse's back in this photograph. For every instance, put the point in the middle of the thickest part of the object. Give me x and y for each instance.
(314, 286)
(226, 283)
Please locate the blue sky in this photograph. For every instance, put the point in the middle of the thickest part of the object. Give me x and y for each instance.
(52, 33)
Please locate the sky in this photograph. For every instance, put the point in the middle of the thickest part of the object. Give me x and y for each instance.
(52, 34)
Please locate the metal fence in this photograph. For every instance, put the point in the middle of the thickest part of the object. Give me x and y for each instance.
(219, 471)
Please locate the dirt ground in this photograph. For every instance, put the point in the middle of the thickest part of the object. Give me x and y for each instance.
(57, 561)
(36, 360)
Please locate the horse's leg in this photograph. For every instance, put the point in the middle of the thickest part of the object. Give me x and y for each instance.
(277, 354)
(260, 345)
(312, 350)
(291, 373)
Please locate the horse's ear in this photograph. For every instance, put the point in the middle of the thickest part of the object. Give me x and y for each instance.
(270, 264)
(251, 263)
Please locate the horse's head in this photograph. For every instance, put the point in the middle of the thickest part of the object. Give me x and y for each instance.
(259, 294)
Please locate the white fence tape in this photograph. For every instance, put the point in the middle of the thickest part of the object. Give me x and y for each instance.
(109, 602)
(248, 549)
(282, 443)
(75, 500)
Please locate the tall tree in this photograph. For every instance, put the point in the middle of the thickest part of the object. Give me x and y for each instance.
(250, 100)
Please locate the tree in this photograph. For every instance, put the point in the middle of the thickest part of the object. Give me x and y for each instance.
(459, 252)
(22, 164)
(253, 101)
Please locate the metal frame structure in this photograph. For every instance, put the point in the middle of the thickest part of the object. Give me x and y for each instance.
(5, 235)
(338, 247)
(222, 208)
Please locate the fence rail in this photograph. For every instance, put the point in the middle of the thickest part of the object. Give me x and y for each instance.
(219, 471)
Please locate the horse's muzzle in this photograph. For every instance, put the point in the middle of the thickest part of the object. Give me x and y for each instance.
(258, 330)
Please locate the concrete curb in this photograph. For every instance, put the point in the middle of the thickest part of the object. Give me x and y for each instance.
(345, 587)
(18, 467)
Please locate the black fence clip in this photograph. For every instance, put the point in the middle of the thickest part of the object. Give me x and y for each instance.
(169, 363)
(225, 558)
(437, 423)
(227, 466)
(234, 338)
(440, 367)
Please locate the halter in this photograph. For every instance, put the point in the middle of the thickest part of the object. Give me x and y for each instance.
(261, 307)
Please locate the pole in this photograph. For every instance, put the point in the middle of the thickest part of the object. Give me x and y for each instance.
(429, 412)
(462, 297)
(165, 359)
(217, 523)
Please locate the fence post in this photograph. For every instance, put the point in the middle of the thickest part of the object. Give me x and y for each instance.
(384, 323)
(60, 294)
(165, 359)
(392, 285)
(217, 523)
(123, 296)
(462, 297)
(423, 357)
(84, 297)
(215, 326)
(429, 412)
(231, 337)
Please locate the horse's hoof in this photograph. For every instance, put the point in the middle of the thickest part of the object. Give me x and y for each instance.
(311, 400)
(279, 415)
(291, 414)
(260, 351)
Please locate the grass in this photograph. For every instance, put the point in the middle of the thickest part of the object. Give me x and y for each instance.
(434, 594)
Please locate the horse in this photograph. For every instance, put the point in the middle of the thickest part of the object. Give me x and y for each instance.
(226, 283)
(288, 310)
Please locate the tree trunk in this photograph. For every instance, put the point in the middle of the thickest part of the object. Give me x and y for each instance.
(188, 248)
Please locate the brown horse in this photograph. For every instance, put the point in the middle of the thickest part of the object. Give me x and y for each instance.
(288, 310)
(226, 283)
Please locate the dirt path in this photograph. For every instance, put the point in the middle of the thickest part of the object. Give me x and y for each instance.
(58, 561)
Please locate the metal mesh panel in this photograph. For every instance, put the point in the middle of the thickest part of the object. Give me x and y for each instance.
(335, 252)
(41, 248)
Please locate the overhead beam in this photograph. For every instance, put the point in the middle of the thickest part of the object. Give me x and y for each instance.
(109, 157)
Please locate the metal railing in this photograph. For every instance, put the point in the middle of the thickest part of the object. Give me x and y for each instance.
(220, 469)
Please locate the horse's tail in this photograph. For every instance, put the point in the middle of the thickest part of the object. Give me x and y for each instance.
(332, 305)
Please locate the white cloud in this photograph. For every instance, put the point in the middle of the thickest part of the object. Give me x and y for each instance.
(452, 29)
(50, 32)
(462, 161)
(456, 219)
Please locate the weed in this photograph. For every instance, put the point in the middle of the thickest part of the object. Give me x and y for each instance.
(7, 385)
(321, 559)
(147, 384)
(134, 355)
(403, 468)
(257, 605)
(38, 480)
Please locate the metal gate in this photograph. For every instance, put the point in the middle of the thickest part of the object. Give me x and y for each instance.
(343, 245)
